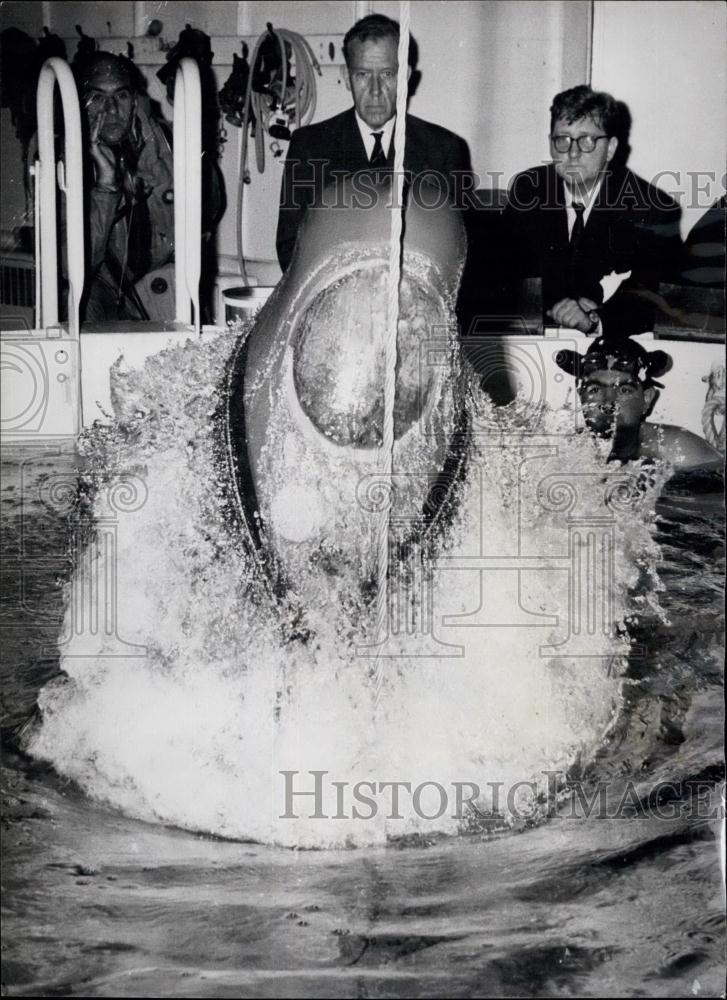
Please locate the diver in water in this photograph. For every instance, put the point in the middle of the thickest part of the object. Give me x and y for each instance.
(617, 388)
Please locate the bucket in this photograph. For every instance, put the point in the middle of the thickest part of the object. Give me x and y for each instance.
(244, 302)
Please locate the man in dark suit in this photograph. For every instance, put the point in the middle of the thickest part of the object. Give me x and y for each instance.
(600, 237)
(360, 140)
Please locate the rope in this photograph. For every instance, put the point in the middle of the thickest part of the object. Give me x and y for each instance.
(712, 409)
(304, 107)
(392, 323)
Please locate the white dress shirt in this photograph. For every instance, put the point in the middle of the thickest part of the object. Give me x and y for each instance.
(587, 202)
(368, 137)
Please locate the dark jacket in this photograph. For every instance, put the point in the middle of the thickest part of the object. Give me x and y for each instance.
(318, 153)
(633, 226)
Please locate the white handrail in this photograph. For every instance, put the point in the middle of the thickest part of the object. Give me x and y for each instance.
(35, 174)
(187, 191)
(54, 71)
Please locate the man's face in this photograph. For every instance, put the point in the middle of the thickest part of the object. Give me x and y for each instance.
(580, 170)
(611, 399)
(371, 78)
(110, 103)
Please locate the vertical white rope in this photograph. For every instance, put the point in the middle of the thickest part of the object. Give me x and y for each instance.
(392, 323)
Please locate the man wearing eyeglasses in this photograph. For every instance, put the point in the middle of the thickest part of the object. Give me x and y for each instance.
(600, 237)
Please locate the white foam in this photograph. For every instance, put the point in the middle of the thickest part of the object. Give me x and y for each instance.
(197, 731)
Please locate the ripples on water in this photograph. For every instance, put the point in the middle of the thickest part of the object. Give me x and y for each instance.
(100, 904)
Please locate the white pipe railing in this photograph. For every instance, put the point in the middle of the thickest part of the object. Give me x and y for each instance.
(35, 174)
(54, 71)
(187, 191)
(187, 194)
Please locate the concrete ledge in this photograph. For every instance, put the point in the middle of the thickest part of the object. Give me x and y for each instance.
(40, 385)
(102, 346)
(54, 385)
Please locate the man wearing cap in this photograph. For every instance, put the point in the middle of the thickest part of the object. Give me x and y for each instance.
(617, 388)
(600, 237)
(362, 139)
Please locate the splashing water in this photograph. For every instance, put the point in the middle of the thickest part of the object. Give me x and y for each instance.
(191, 708)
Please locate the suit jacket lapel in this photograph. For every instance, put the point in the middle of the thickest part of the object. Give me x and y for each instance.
(353, 152)
(555, 223)
(407, 148)
(597, 236)
(415, 158)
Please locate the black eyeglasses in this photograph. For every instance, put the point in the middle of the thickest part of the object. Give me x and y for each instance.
(586, 143)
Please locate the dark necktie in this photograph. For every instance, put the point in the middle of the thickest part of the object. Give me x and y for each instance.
(575, 240)
(138, 254)
(577, 231)
(377, 154)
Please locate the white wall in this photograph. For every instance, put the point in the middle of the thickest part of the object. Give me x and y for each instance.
(489, 71)
(667, 61)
